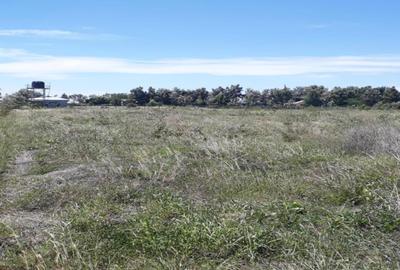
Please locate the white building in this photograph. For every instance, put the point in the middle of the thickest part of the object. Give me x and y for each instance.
(51, 102)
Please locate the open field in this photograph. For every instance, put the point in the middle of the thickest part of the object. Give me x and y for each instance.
(177, 188)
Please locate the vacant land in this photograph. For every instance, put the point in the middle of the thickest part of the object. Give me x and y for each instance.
(178, 188)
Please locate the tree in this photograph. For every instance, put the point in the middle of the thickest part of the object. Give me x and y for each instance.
(164, 96)
(234, 94)
(151, 92)
(98, 100)
(314, 96)
(138, 97)
(181, 97)
(298, 94)
(226, 96)
(337, 97)
(200, 97)
(343, 96)
(253, 98)
(280, 96)
(27, 94)
(371, 96)
(118, 99)
(218, 97)
(79, 98)
(390, 95)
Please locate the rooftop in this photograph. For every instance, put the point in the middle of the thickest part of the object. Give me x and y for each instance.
(49, 98)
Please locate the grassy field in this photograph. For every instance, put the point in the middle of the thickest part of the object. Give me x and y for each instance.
(187, 188)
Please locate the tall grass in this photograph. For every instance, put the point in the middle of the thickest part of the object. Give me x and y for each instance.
(7, 145)
(187, 188)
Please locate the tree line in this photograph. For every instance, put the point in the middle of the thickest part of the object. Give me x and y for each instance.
(235, 95)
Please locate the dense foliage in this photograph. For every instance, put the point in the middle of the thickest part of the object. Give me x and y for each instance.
(235, 95)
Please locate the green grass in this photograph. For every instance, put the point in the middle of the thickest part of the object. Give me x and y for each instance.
(187, 188)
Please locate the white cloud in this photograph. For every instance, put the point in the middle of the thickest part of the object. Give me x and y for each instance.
(40, 33)
(56, 34)
(24, 64)
(13, 53)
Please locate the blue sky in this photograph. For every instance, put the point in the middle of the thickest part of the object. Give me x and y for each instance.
(112, 46)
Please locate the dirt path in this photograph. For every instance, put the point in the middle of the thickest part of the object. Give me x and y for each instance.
(29, 226)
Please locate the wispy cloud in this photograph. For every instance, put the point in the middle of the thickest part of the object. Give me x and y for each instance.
(55, 34)
(39, 33)
(13, 53)
(24, 64)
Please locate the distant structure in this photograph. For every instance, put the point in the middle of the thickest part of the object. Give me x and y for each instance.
(39, 86)
(51, 102)
(45, 100)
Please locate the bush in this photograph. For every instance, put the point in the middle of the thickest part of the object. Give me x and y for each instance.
(10, 103)
(153, 103)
